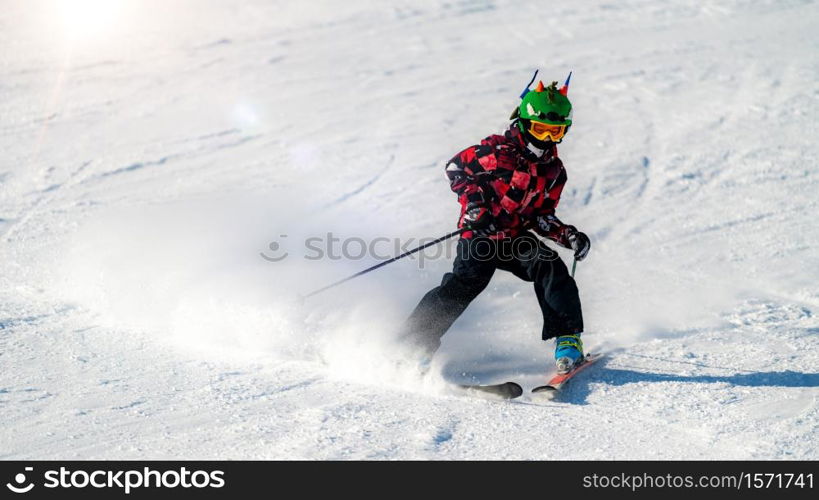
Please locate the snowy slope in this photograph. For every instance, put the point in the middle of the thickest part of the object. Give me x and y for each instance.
(149, 151)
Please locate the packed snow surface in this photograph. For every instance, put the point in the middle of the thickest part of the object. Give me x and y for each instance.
(152, 152)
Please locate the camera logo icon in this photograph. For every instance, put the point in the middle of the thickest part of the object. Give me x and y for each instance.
(20, 479)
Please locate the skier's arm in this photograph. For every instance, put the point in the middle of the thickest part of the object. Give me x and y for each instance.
(564, 235)
(549, 226)
(464, 172)
(546, 222)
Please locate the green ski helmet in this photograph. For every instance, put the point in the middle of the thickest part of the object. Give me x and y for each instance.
(545, 114)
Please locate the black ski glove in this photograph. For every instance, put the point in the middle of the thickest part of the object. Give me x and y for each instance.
(479, 219)
(580, 243)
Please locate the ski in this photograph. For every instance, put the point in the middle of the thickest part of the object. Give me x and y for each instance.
(506, 390)
(558, 381)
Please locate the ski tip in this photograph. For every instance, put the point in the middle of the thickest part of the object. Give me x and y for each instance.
(515, 390)
(544, 395)
(506, 390)
(544, 388)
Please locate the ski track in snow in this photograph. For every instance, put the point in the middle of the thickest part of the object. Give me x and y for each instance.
(142, 175)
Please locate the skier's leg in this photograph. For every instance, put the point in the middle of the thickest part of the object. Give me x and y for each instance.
(562, 316)
(560, 303)
(555, 289)
(441, 306)
(559, 299)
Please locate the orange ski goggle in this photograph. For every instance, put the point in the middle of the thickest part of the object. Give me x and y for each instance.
(543, 131)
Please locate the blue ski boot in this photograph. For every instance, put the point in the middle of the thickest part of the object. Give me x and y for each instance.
(568, 352)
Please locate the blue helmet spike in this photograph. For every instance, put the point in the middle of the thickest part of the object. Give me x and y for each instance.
(565, 89)
(526, 90)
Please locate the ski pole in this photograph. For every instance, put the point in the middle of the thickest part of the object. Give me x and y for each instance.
(382, 264)
(574, 266)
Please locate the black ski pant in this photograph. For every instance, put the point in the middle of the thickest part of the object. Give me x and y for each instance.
(526, 257)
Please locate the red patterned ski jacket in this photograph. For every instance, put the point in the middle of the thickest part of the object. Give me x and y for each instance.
(518, 187)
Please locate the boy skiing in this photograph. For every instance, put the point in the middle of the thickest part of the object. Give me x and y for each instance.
(508, 185)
